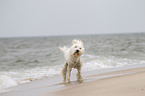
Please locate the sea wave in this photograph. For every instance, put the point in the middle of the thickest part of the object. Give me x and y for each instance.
(93, 62)
(13, 78)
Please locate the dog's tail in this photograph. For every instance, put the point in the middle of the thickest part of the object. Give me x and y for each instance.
(64, 49)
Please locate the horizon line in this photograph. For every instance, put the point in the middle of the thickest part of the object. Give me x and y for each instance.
(121, 33)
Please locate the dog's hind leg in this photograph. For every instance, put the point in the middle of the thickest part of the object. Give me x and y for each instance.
(64, 70)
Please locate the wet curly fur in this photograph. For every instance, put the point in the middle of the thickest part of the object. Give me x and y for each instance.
(72, 60)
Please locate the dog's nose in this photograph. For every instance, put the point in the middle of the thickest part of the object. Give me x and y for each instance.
(77, 51)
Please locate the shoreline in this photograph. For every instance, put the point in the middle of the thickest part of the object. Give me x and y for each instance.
(55, 87)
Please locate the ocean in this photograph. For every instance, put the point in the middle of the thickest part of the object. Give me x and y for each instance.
(26, 59)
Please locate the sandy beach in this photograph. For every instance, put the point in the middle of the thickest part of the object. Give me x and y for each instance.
(127, 82)
(131, 84)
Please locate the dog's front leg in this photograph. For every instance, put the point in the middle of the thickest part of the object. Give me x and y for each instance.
(64, 72)
(68, 73)
(79, 75)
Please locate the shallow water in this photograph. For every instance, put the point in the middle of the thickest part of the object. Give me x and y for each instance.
(26, 59)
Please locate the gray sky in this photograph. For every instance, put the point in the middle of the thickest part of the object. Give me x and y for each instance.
(70, 17)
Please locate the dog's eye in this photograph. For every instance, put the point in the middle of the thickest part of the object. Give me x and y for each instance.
(80, 48)
(75, 46)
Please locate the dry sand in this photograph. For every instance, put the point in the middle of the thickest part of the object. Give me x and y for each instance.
(124, 85)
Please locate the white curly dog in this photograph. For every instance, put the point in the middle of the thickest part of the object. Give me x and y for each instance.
(72, 60)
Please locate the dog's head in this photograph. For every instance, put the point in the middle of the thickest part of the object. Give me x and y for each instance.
(77, 48)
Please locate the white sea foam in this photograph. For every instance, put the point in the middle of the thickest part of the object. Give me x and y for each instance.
(24, 76)
(6, 82)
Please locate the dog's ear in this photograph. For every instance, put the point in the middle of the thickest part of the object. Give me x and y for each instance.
(77, 41)
(74, 41)
(81, 42)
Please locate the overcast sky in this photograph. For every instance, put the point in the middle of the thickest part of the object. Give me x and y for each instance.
(70, 17)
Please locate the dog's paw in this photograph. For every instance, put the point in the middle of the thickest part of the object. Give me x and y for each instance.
(64, 81)
(68, 81)
(80, 80)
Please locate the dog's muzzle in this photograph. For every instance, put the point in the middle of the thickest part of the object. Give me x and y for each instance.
(77, 51)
